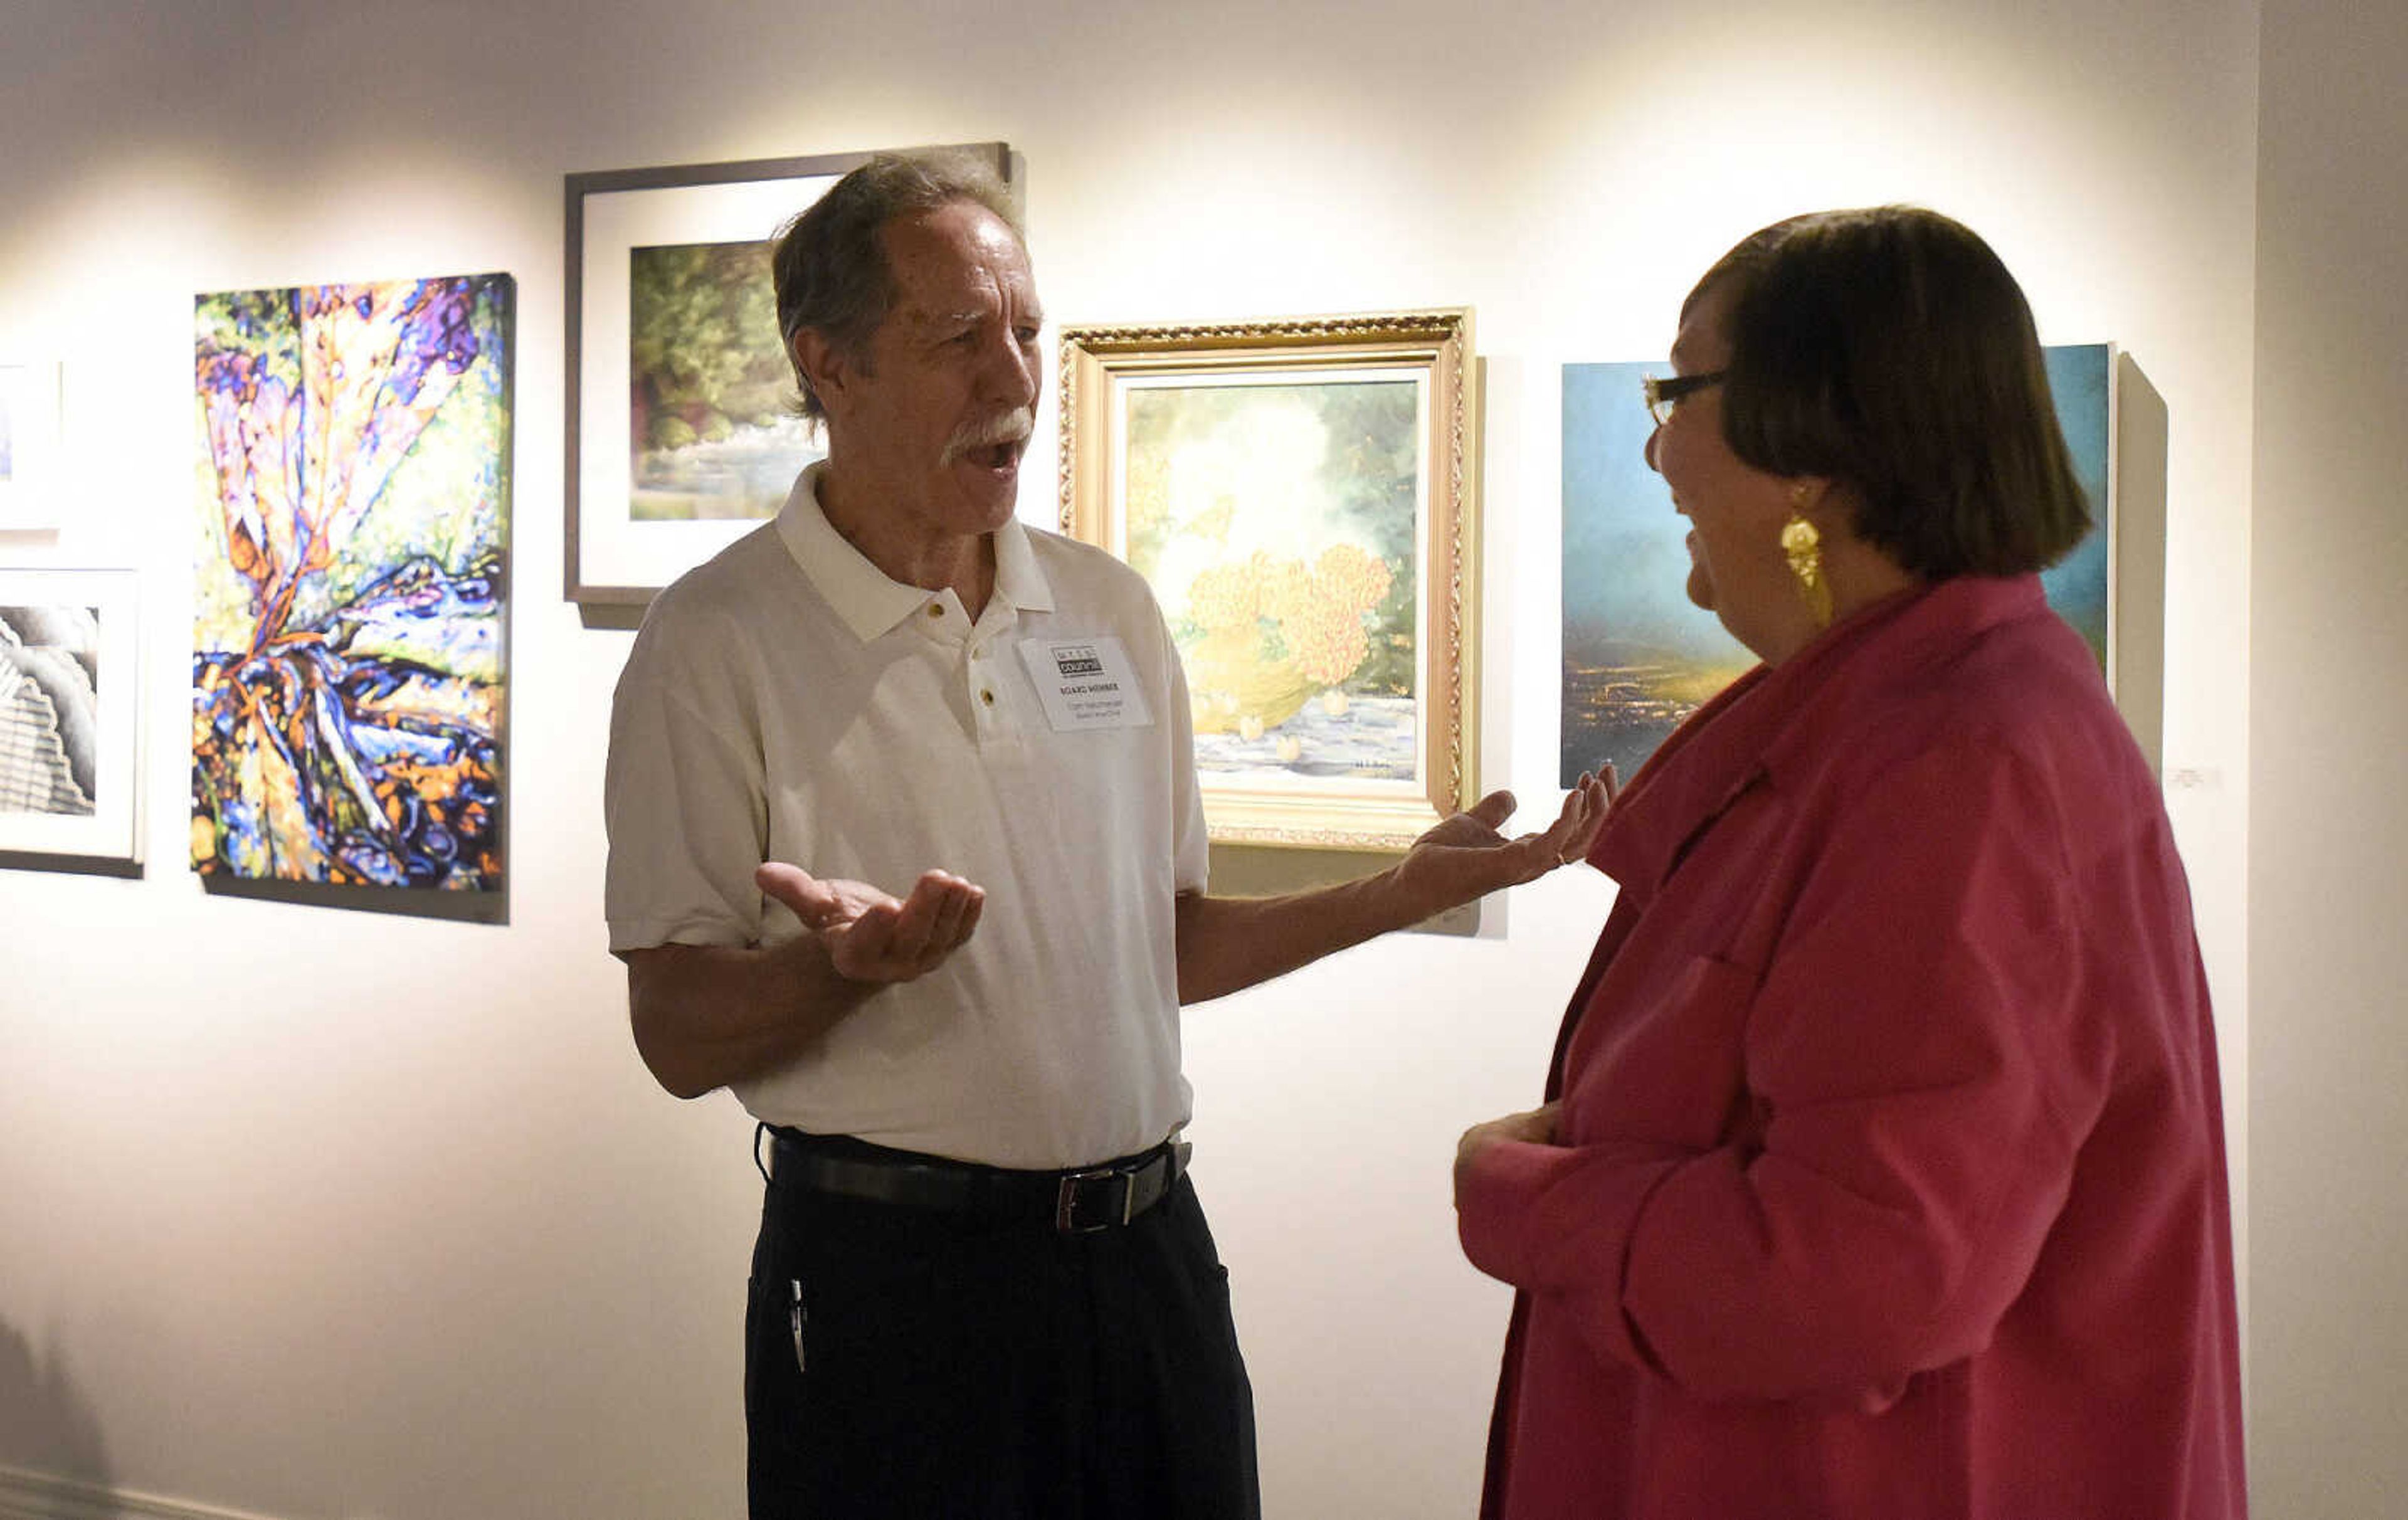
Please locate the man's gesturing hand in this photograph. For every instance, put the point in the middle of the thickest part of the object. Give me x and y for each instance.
(1467, 855)
(870, 936)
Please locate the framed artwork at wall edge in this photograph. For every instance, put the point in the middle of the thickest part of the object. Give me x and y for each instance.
(29, 443)
(1638, 658)
(679, 437)
(2081, 381)
(1303, 496)
(349, 594)
(70, 744)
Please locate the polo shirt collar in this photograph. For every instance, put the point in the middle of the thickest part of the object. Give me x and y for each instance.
(862, 595)
(1018, 578)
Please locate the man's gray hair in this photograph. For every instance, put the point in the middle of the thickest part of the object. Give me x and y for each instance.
(830, 262)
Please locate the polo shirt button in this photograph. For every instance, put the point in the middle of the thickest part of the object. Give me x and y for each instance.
(988, 697)
(936, 609)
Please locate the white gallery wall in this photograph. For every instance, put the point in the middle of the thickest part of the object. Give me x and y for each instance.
(2328, 862)
(311, 1215)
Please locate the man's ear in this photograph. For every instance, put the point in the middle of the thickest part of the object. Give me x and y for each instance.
(824, 364)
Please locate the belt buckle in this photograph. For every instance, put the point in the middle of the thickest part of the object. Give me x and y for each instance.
(1067, 1197)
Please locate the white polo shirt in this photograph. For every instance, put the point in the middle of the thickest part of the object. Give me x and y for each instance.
(787, 701)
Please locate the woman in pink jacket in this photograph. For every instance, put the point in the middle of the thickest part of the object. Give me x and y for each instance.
(1881, 1172)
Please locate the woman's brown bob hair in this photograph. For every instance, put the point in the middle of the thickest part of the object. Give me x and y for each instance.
(1889, 350)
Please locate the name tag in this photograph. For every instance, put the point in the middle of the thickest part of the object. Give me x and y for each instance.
(1086, 683)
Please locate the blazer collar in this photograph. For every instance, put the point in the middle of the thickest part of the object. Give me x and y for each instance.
(1776, 718)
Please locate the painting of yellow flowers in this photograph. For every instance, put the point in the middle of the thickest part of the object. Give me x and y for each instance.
(1296, 495)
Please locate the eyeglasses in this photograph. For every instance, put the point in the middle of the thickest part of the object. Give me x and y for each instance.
(1662, 394)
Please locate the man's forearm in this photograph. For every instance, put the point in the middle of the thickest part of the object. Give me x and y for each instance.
(707, 1015)
(1226, 944)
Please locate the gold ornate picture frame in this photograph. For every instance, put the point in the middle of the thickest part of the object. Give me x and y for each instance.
(1303, 496)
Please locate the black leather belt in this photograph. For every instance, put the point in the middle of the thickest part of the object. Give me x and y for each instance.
(1074, 1201)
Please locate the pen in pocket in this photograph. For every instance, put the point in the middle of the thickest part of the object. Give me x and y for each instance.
(795, 1318)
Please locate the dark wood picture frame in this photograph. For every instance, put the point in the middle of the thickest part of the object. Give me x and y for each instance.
(604, 593)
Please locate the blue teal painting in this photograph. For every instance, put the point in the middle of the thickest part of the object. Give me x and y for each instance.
(1638, 658)
(2079, 380)
(348, 655)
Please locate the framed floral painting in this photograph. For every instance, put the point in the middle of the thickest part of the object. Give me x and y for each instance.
(1301, 497)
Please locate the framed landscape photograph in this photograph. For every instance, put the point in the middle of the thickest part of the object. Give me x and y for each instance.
(69, 689)
(1301, 496)
(680, 438)
(29, 442)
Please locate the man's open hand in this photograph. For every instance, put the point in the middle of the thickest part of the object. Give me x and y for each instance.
(1467, 856)
(870, 935)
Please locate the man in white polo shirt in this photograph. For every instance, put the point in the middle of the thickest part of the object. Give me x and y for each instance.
(983, 1285)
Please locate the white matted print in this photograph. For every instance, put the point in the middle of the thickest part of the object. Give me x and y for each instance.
(680, 442)
(69, 713)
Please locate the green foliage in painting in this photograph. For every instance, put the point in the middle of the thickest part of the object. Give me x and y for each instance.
(703, 353)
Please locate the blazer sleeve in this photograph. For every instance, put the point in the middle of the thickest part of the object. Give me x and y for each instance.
(1921, 1077)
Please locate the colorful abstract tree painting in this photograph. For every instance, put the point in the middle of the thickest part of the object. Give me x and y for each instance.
(346, 668)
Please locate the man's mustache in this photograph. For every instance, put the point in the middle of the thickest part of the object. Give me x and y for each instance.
(1013, 426)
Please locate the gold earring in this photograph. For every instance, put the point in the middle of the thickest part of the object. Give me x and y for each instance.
(1804, 545)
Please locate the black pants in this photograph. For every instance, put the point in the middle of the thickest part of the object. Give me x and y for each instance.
(908, 1364)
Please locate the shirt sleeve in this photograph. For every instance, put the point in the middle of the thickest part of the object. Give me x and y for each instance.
(1918, 1078)
(684, 795)
(1191, 846)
